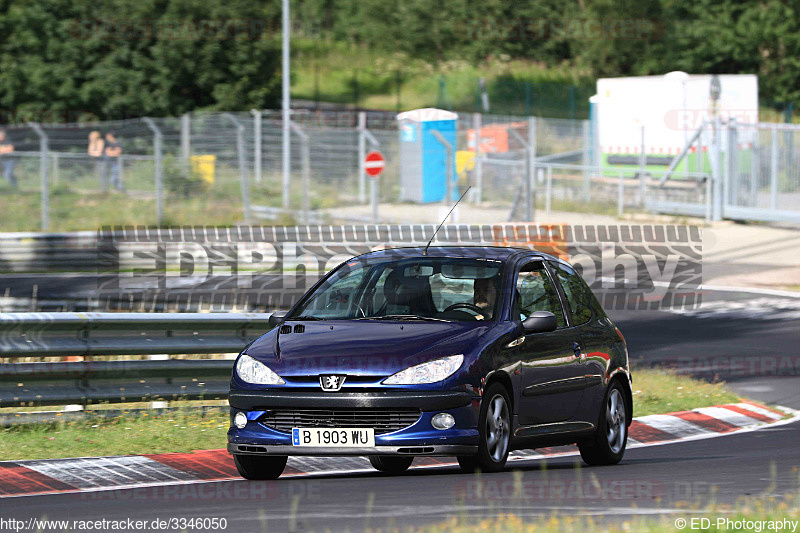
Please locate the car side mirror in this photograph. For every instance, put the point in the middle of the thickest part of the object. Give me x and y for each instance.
(540, 322)
(276, 318)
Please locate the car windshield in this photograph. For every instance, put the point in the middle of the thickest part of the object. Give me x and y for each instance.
(425, 288)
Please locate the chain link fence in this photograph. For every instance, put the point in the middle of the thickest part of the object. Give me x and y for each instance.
(225, 168)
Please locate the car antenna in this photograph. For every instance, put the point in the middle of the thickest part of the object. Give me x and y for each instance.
(425, 251)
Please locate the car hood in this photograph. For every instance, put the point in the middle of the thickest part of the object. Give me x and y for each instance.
(362, 347)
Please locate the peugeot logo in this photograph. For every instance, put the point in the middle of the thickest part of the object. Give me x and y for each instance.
(331, 383)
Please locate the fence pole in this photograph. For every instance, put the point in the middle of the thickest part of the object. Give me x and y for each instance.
(527, 181)
(735, 177)
(586, 159)
(55, 168)
(306, 180)
(755, 168)
(121, 162)
(642, 167)
(286, 101)
(477, 120)
(621, 194)
(698, 161)
(773, 171)
(157, 146)
(716, 170)
(548, 198)
(306, 169)
(362, 154)
(528, 188)
(244, 185)
(186, 146)
(531, 177)
(374, 183)
(257, 115)
(44, 149)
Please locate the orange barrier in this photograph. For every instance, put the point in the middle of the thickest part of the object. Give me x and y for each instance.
(547, 238)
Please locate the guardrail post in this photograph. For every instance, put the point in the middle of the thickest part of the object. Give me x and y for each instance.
(621, 194)
(44, 149)
(157, 147)
(244, 185)
(257, 154)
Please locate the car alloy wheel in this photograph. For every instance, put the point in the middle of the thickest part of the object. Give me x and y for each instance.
(607, 445)
(498, 428)
(494, 429)
(615, 421)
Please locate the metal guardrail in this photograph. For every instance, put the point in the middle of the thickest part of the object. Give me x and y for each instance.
(62, 334)
(107, 334)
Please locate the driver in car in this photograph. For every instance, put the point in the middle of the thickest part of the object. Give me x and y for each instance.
(484, 296)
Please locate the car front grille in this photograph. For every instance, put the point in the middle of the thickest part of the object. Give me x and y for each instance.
(382, 420)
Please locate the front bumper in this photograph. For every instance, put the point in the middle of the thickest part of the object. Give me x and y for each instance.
(419, 438)
(445, 450)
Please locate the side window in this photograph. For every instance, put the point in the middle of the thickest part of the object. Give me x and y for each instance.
(579, 296)
(535, 291)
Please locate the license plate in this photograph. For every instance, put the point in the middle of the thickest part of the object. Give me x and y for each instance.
(352, 437)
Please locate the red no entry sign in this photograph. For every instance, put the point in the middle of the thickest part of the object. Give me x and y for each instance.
(374, 163)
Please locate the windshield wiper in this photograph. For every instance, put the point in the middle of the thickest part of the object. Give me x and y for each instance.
(305, 317)
(404, 317)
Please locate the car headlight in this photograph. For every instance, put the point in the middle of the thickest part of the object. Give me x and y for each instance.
(429, 372)
(252, 371)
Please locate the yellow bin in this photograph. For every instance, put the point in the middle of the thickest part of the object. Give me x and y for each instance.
(203, 166)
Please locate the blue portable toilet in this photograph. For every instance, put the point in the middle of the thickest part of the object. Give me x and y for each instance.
(423, 158)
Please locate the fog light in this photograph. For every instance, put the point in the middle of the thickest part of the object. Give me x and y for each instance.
(443, 421)
(240, 420)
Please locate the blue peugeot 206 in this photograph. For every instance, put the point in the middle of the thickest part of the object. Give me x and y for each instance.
(469, 352)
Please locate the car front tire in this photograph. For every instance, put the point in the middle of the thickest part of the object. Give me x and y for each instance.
(608, 444)
(390, 465)
(494, 430)
(260, 466)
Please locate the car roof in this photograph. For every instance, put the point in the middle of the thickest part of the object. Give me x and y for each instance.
(498, 253)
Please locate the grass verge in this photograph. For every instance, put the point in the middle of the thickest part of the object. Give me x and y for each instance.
(661, 391)
(183, 430)
(753, 513)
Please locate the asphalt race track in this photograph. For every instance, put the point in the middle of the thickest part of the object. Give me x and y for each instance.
(650, 480)
(749, 339)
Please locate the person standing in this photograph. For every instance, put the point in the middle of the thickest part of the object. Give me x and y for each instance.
(95, 151)
(113, 151)
(7, 158)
